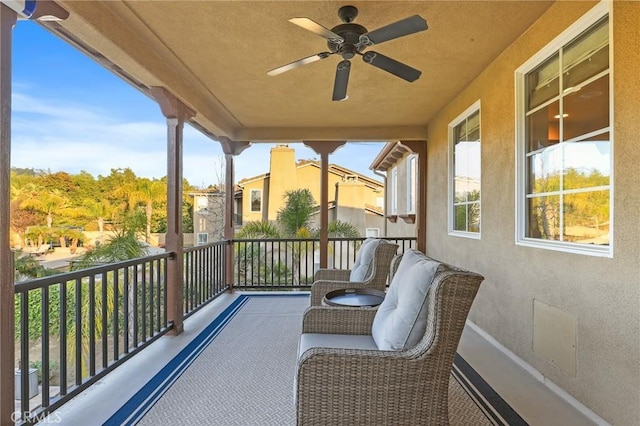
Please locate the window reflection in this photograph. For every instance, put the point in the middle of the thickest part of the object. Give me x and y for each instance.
(586, 217)
(544, 217)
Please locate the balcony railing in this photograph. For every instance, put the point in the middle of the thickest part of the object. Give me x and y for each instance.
(292, 263)
(74, 328)
(85, 323)
(204, 275)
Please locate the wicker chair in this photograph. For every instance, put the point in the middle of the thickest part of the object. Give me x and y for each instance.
(345, 386)
(326, 280)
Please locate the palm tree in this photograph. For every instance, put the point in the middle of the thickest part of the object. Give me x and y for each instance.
(297, 210)
(99, 209)
(148, 192)
(122, 246)
(43, 200)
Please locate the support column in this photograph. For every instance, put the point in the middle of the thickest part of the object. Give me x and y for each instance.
(7, 356)
(230, 149)
(324, 148)
(420, 148)
(176, 113)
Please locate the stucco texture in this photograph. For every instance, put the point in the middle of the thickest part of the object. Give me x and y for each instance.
(603, 294)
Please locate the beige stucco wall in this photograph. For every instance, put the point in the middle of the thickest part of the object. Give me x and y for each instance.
(602, 294)
(247, 214)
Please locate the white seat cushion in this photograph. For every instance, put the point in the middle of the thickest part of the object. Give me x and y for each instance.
(401, 319)
(342, 341)
(364, 260)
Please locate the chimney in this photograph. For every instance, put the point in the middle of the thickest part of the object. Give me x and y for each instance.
(282, 177)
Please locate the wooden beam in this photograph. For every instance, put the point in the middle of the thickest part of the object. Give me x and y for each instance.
(7, 309)
(324, 148)
(176, 113)
(230, 149)
(420, 148)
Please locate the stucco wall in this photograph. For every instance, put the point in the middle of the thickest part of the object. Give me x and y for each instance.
(601, 293)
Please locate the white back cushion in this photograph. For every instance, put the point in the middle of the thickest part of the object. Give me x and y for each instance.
(401, 319)
(364, 260)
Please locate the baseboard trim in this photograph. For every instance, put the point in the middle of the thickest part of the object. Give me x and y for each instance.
(586, 411)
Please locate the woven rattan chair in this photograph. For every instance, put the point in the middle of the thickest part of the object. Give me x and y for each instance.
(326, 280)
(339, 386)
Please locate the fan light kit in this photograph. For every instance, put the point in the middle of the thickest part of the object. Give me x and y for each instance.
(349, 39)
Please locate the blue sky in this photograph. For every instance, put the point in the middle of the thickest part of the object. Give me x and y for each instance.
(71, 114)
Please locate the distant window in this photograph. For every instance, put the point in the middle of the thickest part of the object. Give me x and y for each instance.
(202, 202)
(393, 191)
(372, 232)
(256, 200)
(411, 184)
(564, 141)
(203, 238)
(464, 175)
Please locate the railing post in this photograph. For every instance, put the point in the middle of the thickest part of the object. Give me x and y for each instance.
(7, 294)
(324, 148)
(176, 113)
(230, 149)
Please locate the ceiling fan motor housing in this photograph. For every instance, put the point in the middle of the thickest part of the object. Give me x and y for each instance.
(351, 45)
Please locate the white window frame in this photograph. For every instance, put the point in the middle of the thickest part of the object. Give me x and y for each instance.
(251, 200)
(598, 12)
(412, 164)
(451, 187)
(372, 232)
(206, 238)
(393, 188)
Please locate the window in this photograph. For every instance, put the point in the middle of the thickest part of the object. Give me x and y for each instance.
(393, 188)
(256, 200)
(372, 232)
(202, 203)
(411, 184)
(464, 173)
(564, 142)
(203, 238)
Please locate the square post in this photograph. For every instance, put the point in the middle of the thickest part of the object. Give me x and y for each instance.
(7, 356)
(324, 148)
(176, 113)
(230, 149)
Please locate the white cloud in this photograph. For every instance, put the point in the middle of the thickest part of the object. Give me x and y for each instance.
(57, 135)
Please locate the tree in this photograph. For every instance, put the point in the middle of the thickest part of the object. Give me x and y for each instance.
(45, 201)
(99, 210)
(147, 192)
(297, 211)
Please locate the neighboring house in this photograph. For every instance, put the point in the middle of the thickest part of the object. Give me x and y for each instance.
(208, 216)
(353, 197)
(400, 199)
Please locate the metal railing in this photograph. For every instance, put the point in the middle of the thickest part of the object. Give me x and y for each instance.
(291, 263)
(86, 323)
(204, 275)
(74, 328)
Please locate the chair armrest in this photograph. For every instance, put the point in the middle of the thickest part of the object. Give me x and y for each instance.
(332, 275)
(337, 320)
(322, 287)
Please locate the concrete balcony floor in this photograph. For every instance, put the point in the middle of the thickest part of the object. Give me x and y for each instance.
(536, 403)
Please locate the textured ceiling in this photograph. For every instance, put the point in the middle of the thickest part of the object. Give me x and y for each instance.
(215, 55)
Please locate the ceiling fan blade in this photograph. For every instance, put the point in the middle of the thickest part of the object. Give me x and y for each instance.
(316, 28)
(299, 63)
(410, 25)
(392, 66)
(342, 80)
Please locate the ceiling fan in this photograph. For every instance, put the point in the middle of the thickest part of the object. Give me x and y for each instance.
(349, 39)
